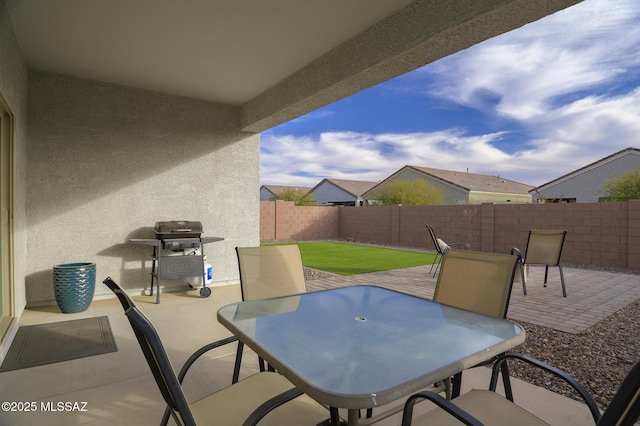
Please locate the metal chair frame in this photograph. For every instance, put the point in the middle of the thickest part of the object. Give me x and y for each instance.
(456, 286)
(537, 254)
(277, 270)
(168, 383)
(439, 251)
(623, 410)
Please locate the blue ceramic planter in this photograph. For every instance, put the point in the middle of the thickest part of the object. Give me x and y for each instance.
(74, 285)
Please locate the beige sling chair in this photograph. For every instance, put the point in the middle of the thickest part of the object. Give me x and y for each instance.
(268, 271)
(441, 248)
(266, 397)
(485, 407)
(476, 281)
(544, 247)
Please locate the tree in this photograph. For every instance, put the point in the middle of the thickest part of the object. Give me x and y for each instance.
(409, 193)
(623, 188)
(298, 196)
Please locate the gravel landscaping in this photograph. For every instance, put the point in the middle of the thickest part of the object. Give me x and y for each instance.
(599, 358)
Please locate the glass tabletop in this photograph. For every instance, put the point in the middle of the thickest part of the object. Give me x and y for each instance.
(363, 346)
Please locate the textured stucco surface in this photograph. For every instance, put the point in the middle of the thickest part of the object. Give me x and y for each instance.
(106, 162)
(455, 194)
(97, 164)
(587, 185)
(451, 194)
(328, 193)
(421, 33)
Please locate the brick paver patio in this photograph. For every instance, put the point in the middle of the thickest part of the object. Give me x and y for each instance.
(591, 295)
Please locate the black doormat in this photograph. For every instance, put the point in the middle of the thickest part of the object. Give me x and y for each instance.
(59, 341)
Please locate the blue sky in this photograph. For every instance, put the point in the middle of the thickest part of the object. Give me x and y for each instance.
(530, 105)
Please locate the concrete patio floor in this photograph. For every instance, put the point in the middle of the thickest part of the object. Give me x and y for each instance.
(119, 388)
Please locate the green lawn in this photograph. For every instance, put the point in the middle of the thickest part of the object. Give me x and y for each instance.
(350, 259)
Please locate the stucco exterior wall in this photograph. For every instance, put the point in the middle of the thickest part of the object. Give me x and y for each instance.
(478, 197)
(451, 194)
(327, 192)
(586, 186)
(265, 194)
(13, 88)
(106, 162)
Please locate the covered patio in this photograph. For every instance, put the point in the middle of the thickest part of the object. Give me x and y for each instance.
(119, 388)
(117, 115)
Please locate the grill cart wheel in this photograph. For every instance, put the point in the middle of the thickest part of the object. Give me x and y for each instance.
(205, 292)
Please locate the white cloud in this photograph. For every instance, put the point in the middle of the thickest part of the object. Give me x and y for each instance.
(567, 80)
(521, 73)
(362, 156)
(566, 138)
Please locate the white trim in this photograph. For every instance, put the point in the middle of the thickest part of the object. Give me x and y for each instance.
(8, 319)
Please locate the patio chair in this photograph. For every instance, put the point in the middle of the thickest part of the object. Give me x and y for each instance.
(478, 407)
(476, 281)
(264, 397)
(544, 247)
(441, 248)
(268, 271)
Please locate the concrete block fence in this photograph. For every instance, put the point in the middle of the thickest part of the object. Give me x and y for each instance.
(603, 234)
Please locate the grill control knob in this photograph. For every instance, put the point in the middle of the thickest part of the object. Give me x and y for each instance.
(173, 245)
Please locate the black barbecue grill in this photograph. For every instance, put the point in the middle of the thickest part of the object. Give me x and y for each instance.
(177, 229)
(178, 251)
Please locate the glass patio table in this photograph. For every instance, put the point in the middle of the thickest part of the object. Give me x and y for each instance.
(361, 347)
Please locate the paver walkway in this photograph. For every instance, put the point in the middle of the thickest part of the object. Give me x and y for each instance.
(591, 295)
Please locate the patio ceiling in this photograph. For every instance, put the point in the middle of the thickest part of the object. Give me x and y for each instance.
(276, 59)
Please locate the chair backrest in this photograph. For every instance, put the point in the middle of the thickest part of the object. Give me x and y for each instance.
(437, 242)
(476, 281)
(544, 247)
(155, 355)
(624, 408)
(270, 271)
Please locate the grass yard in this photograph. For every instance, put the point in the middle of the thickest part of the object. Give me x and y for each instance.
(350, 259)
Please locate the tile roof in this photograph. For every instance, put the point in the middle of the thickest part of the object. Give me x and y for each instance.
(476, 182)
(606, 159)
(354, 187)
(276, 189)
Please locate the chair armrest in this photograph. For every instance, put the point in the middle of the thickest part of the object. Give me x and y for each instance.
(586, 397)
(197, 354)
(270, 405)
(457, 243)
(441, 402)
(193, 358)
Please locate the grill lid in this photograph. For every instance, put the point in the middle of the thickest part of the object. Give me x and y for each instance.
(178, 229)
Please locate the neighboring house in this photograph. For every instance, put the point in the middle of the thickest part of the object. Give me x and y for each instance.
(461, 187)
(586, 184)
(267, 192)
(109, 122)
(340, 192)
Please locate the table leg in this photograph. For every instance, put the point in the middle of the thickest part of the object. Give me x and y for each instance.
(352, 417)
(153, 269)
(334, 420)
